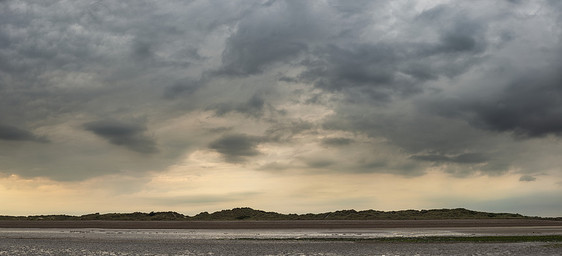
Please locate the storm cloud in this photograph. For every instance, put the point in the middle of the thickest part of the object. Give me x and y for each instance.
(383, 70)
(529, 106)
(128, 135)
(278, 34)
(468, 158)
(348, 101)
(337, 141)
(253, 107)
(335, 86)
(236, 147)
(8, 132)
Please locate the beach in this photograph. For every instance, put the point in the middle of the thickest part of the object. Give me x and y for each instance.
(268, 247)
(272, 237)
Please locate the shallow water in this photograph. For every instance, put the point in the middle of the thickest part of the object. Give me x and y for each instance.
(223, 242)
(96, 233)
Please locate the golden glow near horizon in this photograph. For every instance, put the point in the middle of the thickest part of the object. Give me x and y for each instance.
(208, 185)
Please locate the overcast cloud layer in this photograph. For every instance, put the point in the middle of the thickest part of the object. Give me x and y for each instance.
(96, 88)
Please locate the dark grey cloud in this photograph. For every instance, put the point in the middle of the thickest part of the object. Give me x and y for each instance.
(398, 87)
(454, 48)
(337, 141)
(63, 64)
(288, 79)
(424, 139)
(284, 131)
(429, 83)
(350, 8)
(129, 135)
(255, 107)
(236, 147)
(458, 32)
(370, 66)
(8, 132)
(182, 87)
(263, 38)
(384, 166)
(468, 158)
(457, 42)
(142, 50)
(385, 70)
(529, 106)
(415, 133)
(220, 129)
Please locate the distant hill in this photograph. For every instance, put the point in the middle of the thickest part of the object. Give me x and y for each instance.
(246, 213)
(251, 214)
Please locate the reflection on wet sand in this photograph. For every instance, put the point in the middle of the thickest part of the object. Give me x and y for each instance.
(96, 241)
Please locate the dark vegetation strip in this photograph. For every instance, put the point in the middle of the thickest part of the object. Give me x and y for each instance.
(430, 239)
(276, 224)
(251, 214)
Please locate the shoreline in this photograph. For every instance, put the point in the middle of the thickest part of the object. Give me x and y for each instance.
(278, 224)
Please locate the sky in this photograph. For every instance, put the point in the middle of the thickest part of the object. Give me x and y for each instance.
(287, 106)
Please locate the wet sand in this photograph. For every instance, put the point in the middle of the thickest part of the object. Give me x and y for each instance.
(85, 241)
(271, 248)
(261, 237)
(305, 224)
